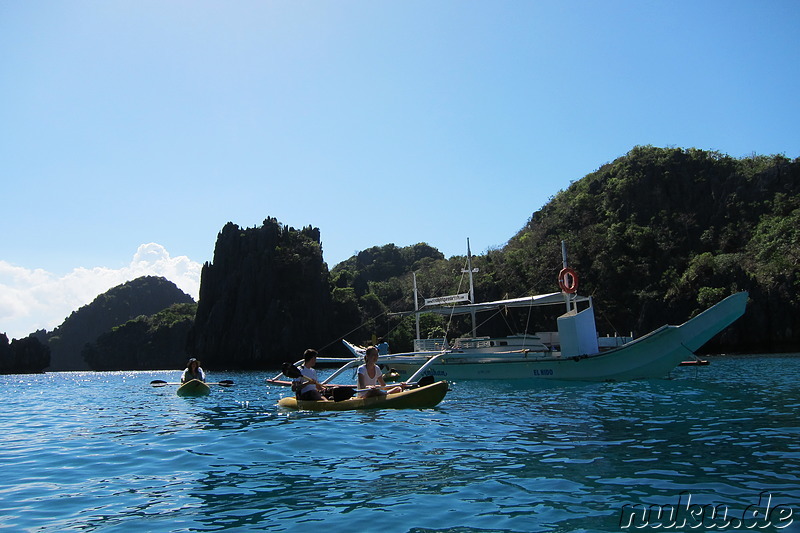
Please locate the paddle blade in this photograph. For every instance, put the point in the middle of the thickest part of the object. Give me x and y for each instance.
(426, 380)
(290, 371)
(226, 383)
(158, 383)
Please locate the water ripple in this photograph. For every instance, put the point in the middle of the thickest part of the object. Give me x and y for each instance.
(106, 452)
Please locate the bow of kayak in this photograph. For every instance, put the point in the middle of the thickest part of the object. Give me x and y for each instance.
(194, 387)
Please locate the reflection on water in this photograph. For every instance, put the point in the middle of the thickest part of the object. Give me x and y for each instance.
(107, 452)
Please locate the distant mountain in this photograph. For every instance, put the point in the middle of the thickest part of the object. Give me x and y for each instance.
(143, 296)
(152, 342)
(23, 356)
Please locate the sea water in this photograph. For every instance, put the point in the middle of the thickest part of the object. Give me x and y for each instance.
(108, 452)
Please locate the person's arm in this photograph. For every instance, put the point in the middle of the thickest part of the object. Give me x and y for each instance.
(320, 386)
(310, 376)
(361, 383)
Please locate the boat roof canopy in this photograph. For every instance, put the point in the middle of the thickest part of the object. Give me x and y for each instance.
(553, 298)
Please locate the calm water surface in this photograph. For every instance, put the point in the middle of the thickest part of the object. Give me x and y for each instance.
(107, 452)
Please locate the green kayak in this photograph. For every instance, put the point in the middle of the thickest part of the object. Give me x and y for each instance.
(194, 387)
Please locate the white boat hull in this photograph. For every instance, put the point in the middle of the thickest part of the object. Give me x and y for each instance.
(651, 356)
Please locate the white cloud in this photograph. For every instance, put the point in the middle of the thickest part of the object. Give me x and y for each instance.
(37, 299)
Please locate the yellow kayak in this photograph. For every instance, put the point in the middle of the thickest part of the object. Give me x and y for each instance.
(194, 387)
(419, 398)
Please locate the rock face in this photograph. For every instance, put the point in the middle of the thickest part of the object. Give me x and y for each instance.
(263, 300)
(143, 296)
(23, 356)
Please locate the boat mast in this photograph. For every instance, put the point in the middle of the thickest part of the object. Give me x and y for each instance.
(416, 302)
(471, 288)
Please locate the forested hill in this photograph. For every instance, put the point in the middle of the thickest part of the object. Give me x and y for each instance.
(142, 296)
(662, 233)
(151, 342)
(657, 236)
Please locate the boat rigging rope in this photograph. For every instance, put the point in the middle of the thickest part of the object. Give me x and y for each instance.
(341, 338)
(450, 316)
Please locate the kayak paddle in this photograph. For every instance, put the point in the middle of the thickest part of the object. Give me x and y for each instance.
(162, 383)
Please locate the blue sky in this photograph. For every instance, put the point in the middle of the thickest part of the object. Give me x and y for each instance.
(132, 131)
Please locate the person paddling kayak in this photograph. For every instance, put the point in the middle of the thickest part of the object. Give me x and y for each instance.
(307, 385)
(193, 371)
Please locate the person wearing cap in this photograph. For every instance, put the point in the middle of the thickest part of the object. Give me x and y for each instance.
(193, 371)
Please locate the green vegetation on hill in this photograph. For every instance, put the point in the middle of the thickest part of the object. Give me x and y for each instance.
(381, 263)
(657, 236)
(23, 356)
(142, 296)
(144, 343)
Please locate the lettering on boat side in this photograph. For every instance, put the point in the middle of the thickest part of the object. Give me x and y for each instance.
(543, 372)
(685, 514)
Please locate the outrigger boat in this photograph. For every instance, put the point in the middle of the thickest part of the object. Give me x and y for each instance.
(574, 352)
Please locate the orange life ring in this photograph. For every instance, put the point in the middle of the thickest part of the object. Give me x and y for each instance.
(568, 280)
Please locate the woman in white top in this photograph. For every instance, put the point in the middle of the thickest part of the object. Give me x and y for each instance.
(193, 371)
(370, 376)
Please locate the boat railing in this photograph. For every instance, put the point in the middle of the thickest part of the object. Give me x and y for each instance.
(430, 345)
(608, 342)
